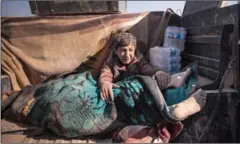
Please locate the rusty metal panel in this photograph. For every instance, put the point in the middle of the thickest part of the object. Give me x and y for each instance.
(72, 7)
(192, 7)
(208, 46)
(214, 16)
(220, 16)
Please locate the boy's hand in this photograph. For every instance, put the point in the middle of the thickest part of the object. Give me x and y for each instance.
(106, 90)
(162, 78)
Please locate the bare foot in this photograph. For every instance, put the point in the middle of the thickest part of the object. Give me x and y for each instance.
(189, 106)
(4, 97)
(178, 79)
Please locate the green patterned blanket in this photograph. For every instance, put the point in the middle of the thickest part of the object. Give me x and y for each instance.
(71, 106)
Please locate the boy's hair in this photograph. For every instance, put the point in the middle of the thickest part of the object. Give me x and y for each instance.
(123, 39)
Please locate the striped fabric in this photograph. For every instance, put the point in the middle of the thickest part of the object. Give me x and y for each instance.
(37, 47)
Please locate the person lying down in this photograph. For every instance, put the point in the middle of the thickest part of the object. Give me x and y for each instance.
(73, 106)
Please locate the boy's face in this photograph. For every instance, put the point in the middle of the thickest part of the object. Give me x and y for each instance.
(126, 54)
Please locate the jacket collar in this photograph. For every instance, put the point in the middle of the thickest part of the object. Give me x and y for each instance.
(123, 67)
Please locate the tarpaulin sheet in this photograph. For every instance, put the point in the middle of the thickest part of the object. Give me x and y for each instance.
(34, 48)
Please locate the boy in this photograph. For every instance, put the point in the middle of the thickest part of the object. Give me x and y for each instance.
(124, 61)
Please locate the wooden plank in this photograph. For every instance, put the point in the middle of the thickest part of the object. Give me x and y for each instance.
(48, 138)
(11, 126)
(91, 141)
(10, 138)
(65, 141)
(50, 141)
(78, 141)
(30, 140)
(44, 140)
(104, 141)
(62, 141)
(16, 138)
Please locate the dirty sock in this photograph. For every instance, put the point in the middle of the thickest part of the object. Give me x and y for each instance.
(178, 79)
(190, 106)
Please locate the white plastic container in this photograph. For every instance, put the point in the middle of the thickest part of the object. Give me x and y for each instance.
(171, 69)
(175, 37)
(169, 40)
(167, 59)
(182, 38)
